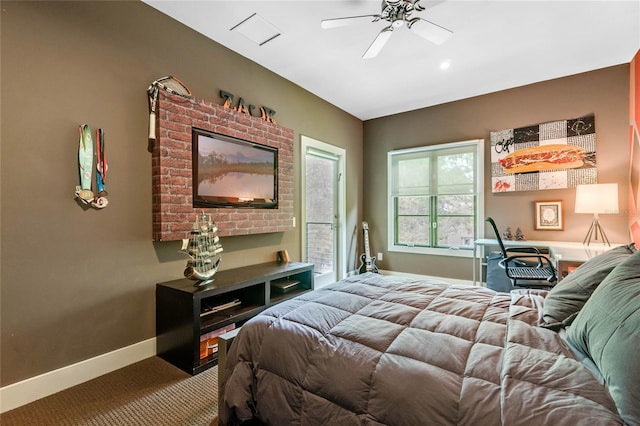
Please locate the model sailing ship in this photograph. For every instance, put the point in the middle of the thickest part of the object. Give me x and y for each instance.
(204, 250)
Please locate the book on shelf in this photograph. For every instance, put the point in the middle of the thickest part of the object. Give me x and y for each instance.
(208, 309)
(284, 285)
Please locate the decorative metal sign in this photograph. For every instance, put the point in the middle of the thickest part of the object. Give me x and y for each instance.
(266, 113)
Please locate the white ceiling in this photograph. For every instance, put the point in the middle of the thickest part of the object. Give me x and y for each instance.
(496, 45)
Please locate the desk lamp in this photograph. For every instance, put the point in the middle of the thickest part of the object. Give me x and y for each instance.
(596, 199)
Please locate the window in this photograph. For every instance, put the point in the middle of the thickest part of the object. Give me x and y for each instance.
(435, 198)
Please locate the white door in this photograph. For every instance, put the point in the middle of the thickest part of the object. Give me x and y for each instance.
(323, 212)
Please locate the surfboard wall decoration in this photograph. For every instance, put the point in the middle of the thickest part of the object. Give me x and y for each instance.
(88, 154)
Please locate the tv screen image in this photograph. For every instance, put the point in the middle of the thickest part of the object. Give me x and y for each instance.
(233, 172)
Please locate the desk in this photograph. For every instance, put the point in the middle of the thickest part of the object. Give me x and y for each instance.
(563, 254)
(566, 259)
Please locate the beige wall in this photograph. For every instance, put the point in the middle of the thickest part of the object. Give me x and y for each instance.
(76, 283)
(604, 93)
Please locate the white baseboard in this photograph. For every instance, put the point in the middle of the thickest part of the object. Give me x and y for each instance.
(34, 388)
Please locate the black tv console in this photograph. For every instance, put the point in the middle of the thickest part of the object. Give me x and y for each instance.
(188, 318)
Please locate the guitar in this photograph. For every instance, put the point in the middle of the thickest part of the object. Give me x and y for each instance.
(368, 262)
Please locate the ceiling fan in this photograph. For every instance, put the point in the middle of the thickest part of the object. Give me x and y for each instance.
(398, 14)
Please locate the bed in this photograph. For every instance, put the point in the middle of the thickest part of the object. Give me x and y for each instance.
(390, 350)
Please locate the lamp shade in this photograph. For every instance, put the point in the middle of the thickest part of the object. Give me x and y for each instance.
(597, 198)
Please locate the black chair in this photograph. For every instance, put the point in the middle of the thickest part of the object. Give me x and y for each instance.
(528, 268)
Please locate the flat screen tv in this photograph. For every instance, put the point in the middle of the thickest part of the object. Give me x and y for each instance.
(232, 172)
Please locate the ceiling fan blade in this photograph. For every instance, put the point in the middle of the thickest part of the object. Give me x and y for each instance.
(342, 22)
(377, 45)
(430, 31)
(421, 5)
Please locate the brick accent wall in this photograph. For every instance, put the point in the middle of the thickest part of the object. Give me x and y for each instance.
(173, 212)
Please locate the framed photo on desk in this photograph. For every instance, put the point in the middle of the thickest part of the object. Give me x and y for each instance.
(549, 216)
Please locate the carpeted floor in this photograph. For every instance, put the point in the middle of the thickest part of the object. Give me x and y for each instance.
(150, 392)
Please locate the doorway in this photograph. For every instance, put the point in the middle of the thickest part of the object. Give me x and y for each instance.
(323, 210)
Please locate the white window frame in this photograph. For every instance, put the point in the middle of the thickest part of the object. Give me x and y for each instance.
(479, 192)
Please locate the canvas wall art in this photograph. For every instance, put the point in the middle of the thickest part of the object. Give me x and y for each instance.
(554, 155)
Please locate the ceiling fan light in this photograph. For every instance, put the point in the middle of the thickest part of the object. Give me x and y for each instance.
(378, 43)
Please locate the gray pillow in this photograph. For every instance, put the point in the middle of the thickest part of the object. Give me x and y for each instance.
(567, 298)
(607, 330)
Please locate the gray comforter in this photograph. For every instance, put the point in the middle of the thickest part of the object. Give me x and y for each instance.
(373, 350)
